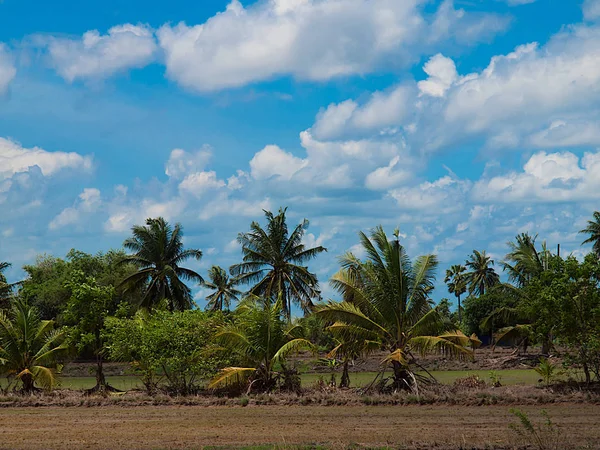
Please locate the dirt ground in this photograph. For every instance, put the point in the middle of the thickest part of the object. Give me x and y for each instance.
(414, 427)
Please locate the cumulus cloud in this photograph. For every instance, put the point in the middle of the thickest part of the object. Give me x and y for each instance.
(14, 158)
(8, 70)
(546, 177)
(271, 38)
(442, 74)
(124, 216)
(199, 183)
(444, 195)
(98, 56)
(388, 176)
(591, 9)
(182, 163)
(88, 201)
(273, 161)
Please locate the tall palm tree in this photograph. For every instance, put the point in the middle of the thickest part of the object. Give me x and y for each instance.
(457, 284)
(263, 341)
(5, 288)
(385, 299)
(524, 262)
(273, 262)
(30, 348)
(158, 253)
(481, 275)
(593, 229)
(223, 287)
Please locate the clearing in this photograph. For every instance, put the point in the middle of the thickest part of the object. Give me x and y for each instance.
(439, 427)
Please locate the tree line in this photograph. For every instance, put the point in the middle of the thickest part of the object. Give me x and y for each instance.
(136, 305)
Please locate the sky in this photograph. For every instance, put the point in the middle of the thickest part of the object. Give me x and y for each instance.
(462, 123)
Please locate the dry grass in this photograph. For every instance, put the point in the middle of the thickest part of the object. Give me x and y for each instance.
(422, 427)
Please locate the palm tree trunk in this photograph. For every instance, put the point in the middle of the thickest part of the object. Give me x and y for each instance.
(28, 383)
(459, 310)
(345, 381)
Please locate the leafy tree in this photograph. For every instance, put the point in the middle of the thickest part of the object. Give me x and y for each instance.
(86, 312)
(443, 308)
(223, 287)
(47, 284)
(168, 350)
(5, 288)
(457, 284)
(262, 341)
(158, 254)
(481, 275)
(386, 300)
(30, 348)
(593, 230)
(273, 263)
(524, 262)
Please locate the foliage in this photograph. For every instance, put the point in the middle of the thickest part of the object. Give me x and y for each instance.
(544, 437)
(86, 312)
(262, 341)
(158, 254)
(547, 370)
(481, 276)
(593, 230)
(495, 378)
(174, 349)
(457, 284)
(524, 261)
(223, 287)
(30, 348)
(47, 284)
(313, 329)
(386, 302)
(274, 263)
(6, 289)
(477, 309)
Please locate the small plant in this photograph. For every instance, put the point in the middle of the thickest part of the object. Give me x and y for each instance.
(495, 378)
(547, 370)
(544, 437)
(244, 401)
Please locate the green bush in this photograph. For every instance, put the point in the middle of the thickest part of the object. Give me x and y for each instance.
(169, 350)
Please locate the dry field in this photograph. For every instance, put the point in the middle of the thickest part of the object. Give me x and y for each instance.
(422, 427)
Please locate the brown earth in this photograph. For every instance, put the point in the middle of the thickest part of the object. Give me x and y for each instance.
(414, 427)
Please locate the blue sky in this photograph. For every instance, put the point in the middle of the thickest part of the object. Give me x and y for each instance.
(463, 123)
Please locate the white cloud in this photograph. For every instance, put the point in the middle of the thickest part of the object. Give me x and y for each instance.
(444, 195)
(225, 206)
(388, 176)
(123, 217)
(546, 177)
(14, 158)
(382, 109)
(96, 56)
(200, 182)
(591, 9)
(442, 74)
(182, 163)
(89, 201)
(8, 70)
(311, 241)
(273, 38)
(273, 161)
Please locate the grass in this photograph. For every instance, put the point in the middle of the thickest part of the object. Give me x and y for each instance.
(358, 379)
(508, 377)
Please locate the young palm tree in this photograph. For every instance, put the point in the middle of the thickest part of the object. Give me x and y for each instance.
(481, 276)
(593, 229)
(273, 261)
(457, 284)
(29, 347)
(524, 262)
(158, 253)
(386, 300)
(223, 287)
(262, 340)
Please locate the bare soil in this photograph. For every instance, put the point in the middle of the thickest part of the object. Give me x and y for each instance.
(177, 427)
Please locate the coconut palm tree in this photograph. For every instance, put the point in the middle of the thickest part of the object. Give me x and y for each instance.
(223, 288)
(30, 348)
(5, 288)
(593, 229)
(457, 284)
(273, 262)
(158, 253)
(263, 341)
(524, 262)
(385, 299)
(481, 275)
